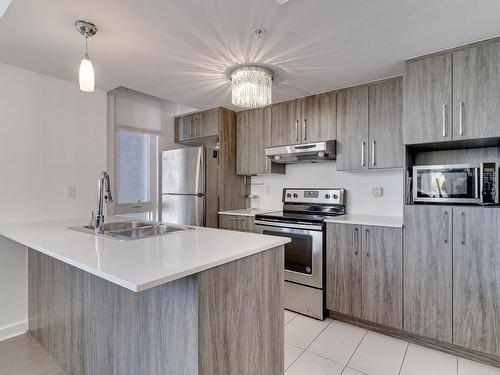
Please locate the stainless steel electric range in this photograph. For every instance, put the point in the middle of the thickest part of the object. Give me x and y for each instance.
(302, 220)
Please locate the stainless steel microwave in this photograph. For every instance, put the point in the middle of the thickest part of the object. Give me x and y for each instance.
(456, 183)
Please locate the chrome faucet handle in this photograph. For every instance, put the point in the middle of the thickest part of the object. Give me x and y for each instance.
(92, 220)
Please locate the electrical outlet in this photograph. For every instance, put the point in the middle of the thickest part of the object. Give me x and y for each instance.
(377, 191)
(70, 191)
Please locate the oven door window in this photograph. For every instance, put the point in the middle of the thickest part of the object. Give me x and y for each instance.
(298, 253)
(447, 183)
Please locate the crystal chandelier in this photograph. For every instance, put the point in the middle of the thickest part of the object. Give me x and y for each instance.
(251, 86)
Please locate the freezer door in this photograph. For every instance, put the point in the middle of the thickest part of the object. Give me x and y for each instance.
(183, 209)
(183, 171)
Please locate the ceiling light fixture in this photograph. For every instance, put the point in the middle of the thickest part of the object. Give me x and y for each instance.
(86, 74)
(251, 86)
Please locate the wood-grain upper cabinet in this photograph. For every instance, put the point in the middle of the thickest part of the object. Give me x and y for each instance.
(319, 120)
(369, 126)
(207, 123)
(197, 125)
(427, 269)
(352, 128)
(343, 282)
(252, 137)
(476, 282)
(385, 119)
(286, 119)
(476, 92)
(428, 100)
(364, 272)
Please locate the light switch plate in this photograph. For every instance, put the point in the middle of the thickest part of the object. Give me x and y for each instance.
(70, 191)
(377, 191)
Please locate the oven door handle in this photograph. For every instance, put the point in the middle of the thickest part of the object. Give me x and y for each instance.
(288, 225)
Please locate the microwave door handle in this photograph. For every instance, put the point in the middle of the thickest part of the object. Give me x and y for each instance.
(479, 181)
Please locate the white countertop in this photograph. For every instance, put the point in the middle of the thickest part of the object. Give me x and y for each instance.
(139, 264)
(381, 221)
(248, 211)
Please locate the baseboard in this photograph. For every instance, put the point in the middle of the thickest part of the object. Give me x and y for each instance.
(13, 330)
(473, 355)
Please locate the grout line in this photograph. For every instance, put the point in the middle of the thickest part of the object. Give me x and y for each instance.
(404, 357)
(350, 368)
(355, 350)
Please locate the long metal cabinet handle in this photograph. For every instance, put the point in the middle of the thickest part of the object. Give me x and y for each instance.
(447, 226)
(305, 129)
(267, 163)
(297, 129)
(373, 152)
(461, 119)
(444, 120)
(463, 228)
(367, 233)
(363, 154)
(356, 241)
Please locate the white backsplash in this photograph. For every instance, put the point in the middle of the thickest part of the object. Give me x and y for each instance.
(268, 189)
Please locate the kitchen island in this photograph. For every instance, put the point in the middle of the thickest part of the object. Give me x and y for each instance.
(202, 301)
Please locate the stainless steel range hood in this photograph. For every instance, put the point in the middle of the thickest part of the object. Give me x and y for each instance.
(317, 152)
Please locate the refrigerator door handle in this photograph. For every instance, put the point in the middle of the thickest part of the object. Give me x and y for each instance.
(197, 194)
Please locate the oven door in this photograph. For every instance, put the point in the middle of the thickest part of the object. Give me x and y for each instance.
(447, 183)
(303, 255)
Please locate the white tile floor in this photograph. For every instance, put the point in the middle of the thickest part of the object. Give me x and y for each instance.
(334, 348)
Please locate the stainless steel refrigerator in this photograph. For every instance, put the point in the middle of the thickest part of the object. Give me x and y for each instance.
(189, 187)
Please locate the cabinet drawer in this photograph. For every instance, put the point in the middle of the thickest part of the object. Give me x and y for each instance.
(237, 222)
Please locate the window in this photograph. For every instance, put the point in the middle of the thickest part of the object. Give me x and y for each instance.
(136, 174)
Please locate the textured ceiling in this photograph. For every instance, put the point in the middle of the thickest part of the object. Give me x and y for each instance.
(181, 50)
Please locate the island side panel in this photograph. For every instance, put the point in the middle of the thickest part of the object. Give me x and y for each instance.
(241, 316)
(92, 326)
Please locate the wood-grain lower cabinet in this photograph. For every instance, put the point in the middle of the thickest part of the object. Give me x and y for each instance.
(476, 282)
(343, 267)
(237, 222)
(382, 276)
(427, 269)
(364, 272)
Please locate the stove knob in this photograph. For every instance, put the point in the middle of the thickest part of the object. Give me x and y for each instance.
(295, 195)
(335, 196)
(327, 196)
(288, 195)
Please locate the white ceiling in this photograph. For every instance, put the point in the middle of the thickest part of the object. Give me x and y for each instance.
(181, 49)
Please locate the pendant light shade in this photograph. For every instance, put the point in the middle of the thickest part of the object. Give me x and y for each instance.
(251, 86)
(86, 76)
(86, 73)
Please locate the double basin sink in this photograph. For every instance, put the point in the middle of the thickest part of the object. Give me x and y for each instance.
(131, 230)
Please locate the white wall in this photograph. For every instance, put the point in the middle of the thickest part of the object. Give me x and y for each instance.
(358, 185)
(51, 135)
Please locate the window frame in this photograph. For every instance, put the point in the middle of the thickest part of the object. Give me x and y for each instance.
(152, 206)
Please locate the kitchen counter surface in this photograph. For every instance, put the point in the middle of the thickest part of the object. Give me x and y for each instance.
(139, 264)
(248, 211)
(376, 220)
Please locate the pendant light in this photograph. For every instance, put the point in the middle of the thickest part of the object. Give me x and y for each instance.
(86, 74)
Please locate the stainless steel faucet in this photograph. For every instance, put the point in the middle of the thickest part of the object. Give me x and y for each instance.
(103, 195)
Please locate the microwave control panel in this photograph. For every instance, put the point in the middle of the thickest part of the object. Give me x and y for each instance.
(490, 181)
